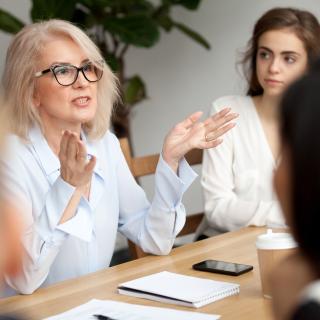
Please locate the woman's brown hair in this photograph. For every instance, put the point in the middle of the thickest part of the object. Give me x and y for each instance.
(303, 23)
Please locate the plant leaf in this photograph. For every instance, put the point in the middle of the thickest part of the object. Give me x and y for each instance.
(123, 6)
(134, 6)
(112, 62)
(138, 30)
(49, 9)
(192, 34)
(134, 90)
(9, 23)
(161, 15)
(165, 22)
(82, 18)
(189, 4)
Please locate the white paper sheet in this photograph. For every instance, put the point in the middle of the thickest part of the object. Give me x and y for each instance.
(126, 311)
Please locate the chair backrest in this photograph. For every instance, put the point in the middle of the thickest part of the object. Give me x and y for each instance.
(146, 165)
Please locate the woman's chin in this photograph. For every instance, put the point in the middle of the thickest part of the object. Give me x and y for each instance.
(85, 117)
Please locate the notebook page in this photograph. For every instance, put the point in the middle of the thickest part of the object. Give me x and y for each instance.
(182, 287)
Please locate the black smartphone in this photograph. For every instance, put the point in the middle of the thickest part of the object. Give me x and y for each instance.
(229, 268)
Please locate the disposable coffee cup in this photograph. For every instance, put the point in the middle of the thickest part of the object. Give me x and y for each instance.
(272, 247)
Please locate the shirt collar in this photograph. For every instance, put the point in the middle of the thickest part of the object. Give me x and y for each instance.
(49, 161)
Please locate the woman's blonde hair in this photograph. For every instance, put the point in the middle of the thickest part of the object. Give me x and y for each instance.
(3, 124)
(20, 68)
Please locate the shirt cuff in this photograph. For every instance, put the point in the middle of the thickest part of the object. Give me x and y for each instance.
(57, 200)
(170, 186)
(81, 224)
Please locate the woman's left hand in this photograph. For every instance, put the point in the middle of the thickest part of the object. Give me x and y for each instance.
(192, 133)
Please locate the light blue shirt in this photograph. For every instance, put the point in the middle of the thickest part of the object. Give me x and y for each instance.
(86, 242)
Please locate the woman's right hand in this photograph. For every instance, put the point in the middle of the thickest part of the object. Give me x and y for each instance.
(75, 168)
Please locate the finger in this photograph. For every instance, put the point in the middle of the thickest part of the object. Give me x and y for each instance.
(82, 152)
(209, 144)
(213, 124)
(219, 132)
(191, 120)
(63, 144)
(213, 143)
(218, 115)
(218, 121)
(91, 164)
(223, 112)
(72, 147)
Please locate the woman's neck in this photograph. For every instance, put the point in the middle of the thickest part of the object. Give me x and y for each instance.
(267, 107)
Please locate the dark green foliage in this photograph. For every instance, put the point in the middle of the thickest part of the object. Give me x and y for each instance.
(9, 23)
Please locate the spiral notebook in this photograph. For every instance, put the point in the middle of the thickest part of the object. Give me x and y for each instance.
(178, 289)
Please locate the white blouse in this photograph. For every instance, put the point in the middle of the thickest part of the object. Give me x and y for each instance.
(85, 243)
(237, 176)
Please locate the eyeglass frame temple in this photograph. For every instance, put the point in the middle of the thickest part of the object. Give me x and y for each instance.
(41, 73)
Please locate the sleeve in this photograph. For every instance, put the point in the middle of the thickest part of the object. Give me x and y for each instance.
(153, 226)
(42, 236)
(224, 210)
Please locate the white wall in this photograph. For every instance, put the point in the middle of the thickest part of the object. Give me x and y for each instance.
(182, 77)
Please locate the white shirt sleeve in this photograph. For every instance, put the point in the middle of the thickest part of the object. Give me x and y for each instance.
(153, 226)
(225, 208)
(43, 235)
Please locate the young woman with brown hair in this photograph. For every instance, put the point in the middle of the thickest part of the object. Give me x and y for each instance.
(237, 175)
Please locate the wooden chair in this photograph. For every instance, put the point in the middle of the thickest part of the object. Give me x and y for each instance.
(146, 165)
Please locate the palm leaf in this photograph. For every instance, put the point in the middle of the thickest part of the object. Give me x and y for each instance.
(10, 23)
(192, 34)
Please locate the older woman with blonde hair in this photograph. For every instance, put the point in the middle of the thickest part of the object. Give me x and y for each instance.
(66, 168)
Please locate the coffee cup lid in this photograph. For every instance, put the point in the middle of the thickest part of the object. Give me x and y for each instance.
(274, 240)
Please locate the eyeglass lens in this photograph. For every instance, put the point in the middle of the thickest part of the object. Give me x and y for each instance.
(67, 74)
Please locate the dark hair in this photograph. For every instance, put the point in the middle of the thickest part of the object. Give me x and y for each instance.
(300, 134)
(303, 23)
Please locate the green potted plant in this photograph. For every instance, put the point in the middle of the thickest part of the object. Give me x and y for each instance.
(115, 26)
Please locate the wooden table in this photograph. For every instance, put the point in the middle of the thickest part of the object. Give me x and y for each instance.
(238, 246)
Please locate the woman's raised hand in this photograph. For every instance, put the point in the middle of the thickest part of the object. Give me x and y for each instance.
(75, 168)
(192, 133)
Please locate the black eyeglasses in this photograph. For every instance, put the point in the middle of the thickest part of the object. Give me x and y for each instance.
(67, 74)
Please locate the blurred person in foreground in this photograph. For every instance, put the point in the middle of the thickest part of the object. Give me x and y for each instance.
(10, 229)
(296, 282)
